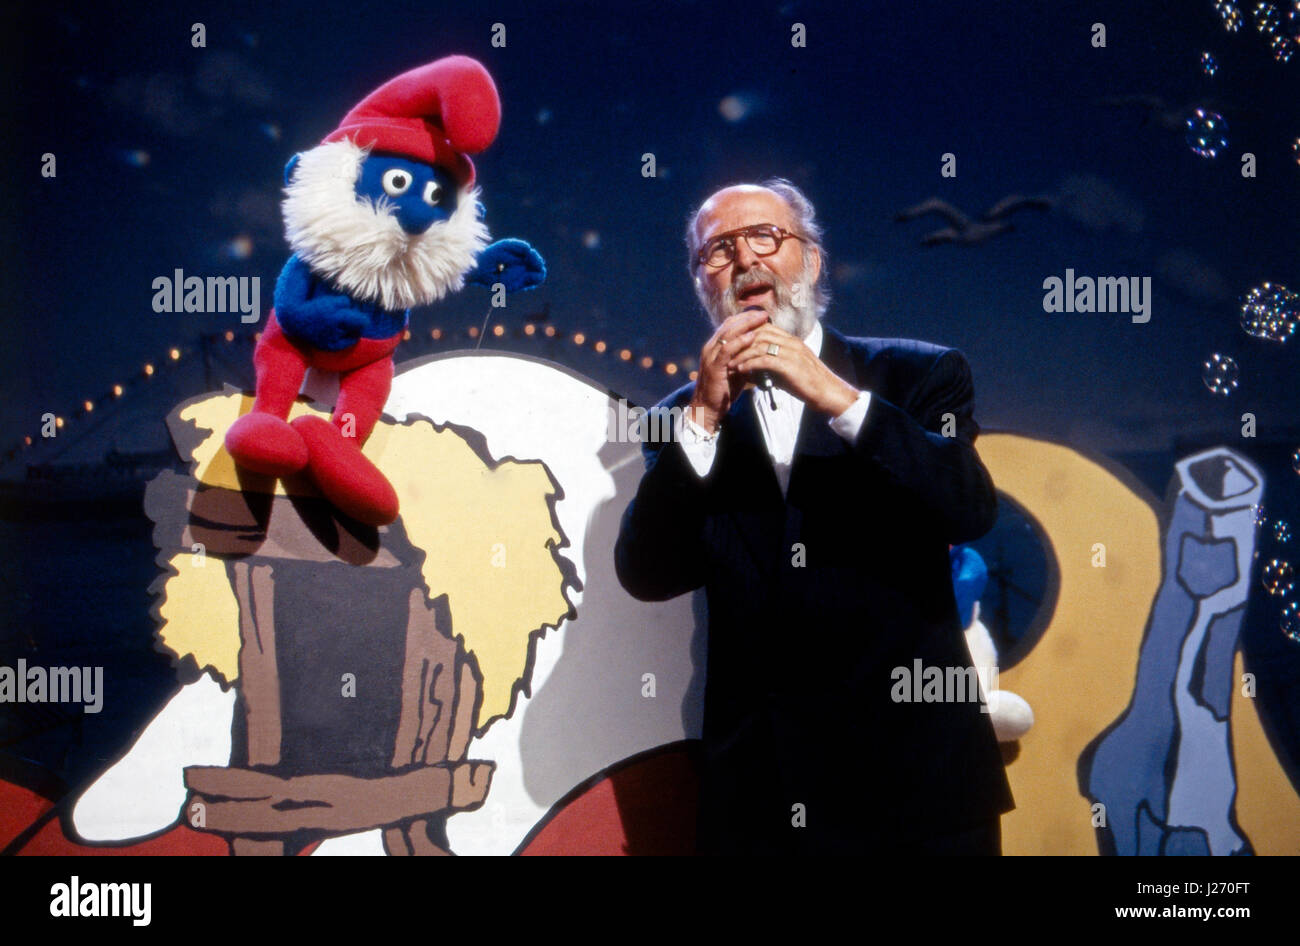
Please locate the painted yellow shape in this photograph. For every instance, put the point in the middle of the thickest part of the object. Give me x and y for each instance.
(201, 615)
(1268, 811)
(487, 533)
(1079, 677)
(487, 536)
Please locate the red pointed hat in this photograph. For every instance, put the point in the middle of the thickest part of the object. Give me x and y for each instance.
(438, 113)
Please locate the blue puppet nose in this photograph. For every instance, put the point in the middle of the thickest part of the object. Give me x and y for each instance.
(418, 194)
(416, 218)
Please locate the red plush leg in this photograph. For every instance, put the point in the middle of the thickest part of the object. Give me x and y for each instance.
(362, 395)
(344, 474)
(280, 367)
(261, 440)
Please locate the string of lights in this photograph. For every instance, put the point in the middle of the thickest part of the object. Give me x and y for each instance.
(529, 330)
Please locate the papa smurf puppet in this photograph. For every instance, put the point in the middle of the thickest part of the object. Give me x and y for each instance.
(382, 216)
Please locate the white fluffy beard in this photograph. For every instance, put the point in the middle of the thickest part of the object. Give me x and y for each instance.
(359, 246)
(797, 320)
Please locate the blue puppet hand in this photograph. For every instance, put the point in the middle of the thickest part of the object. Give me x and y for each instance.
(310, 311)
(513, 263)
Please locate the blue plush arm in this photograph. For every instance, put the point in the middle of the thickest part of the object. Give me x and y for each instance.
(513, 263)
(310, 311)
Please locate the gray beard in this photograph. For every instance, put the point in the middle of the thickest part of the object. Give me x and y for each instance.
(797, 320)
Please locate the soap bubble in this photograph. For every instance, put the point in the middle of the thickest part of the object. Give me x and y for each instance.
(1278, 578)
(1208, 65)
(1267, 18)
(1295, 149)
(1270, 311)
(1261, 517)
(1207, 133)
(1282, 47)
(1290, 620)
(1220, 373)
(1295, 460)
(1230, 15)
(1281, 532)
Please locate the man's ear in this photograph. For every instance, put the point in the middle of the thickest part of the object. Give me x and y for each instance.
(816, 265)
(288, 168)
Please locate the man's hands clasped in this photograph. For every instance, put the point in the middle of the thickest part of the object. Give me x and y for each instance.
(747, 343)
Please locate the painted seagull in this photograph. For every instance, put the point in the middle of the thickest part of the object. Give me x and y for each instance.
(1157, 111)
(963, 229)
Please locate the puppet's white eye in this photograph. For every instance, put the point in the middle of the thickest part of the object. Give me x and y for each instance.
(396, 182)
(432, 193)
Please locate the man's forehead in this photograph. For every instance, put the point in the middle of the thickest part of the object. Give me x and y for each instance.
(742, 206)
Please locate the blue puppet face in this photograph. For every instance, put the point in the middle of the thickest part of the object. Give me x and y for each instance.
(419, 193)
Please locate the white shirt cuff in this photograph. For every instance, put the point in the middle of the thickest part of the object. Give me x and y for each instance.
(850, 422)
(697, 443)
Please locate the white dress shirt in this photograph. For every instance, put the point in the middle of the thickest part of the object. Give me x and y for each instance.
(780, 426)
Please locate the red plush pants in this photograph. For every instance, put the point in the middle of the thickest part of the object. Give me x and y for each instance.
(365, 376)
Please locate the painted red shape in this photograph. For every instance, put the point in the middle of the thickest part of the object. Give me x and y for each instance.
(18, 809)
(645, 807)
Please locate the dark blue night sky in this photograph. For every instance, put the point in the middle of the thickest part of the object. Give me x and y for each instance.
(859, 118)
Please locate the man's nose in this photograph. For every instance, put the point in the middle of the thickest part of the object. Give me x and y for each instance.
(744, 257)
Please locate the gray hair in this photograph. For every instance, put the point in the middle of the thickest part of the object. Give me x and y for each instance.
(805, 221)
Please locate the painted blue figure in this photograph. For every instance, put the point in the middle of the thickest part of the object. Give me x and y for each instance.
(1163, 773)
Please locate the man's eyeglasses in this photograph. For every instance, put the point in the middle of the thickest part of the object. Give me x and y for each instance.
(763, 239)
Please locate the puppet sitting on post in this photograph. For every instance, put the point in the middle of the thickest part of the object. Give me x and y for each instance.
(382, 216)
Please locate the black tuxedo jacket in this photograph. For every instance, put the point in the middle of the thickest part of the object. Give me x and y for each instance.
(815, 598)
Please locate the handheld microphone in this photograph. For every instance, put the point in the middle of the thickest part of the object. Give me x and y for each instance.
(763, 378)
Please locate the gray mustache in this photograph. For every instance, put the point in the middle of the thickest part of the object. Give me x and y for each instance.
(752, 278)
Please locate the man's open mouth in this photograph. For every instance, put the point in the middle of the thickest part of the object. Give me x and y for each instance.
(750, 292)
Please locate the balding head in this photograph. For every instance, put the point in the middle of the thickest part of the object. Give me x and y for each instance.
(796, 270)
(739, 205)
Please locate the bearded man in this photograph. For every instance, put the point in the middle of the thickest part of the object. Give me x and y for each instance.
(813, 486)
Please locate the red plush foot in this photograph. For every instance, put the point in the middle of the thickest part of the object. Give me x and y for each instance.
(348, 480)
(264, 443)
